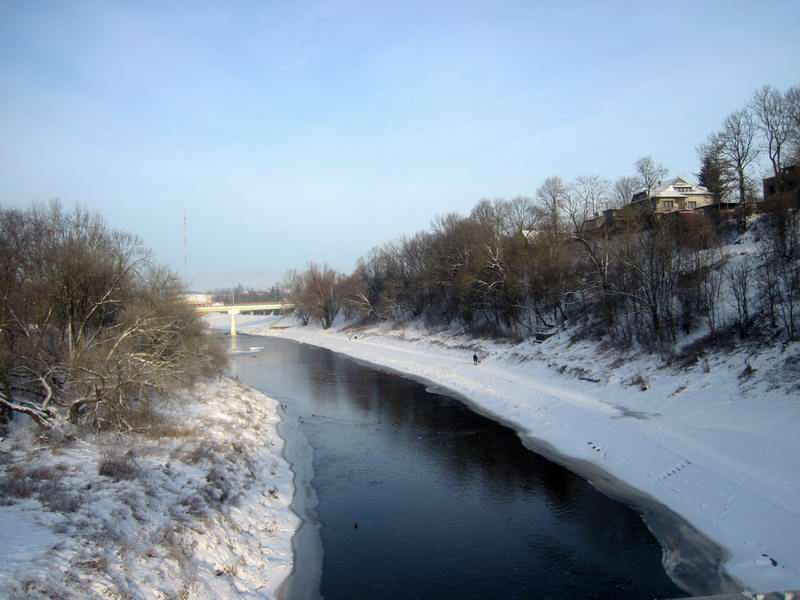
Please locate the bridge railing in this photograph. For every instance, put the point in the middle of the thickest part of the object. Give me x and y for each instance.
(249, 307)
(235, 309)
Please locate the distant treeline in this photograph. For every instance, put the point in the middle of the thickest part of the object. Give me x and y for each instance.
(527, 265)
(91, 329)
(240, 293)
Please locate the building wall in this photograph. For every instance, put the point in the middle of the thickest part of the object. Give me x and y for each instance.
(670, 205)
(198, 299)
(791, 182)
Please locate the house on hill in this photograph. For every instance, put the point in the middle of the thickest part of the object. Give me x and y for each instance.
(789, 181)
(677, 195)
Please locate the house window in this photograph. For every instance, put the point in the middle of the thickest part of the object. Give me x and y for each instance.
(692, 205)
(683, 189)
(666, 203)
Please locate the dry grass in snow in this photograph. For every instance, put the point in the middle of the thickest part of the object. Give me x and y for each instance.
(196, 506)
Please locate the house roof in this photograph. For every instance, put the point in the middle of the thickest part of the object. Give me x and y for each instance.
(667, 189)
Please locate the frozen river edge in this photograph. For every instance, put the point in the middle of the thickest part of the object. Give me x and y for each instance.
(699, 553)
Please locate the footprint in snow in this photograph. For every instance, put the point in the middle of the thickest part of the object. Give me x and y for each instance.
(675, 470)
(771, 560)
(596, 448)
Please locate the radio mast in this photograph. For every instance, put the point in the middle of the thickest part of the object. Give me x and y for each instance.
(185, 254)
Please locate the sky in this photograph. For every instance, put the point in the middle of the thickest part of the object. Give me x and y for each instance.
(297, 131)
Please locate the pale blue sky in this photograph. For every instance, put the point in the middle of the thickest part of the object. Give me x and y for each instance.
(296, 131)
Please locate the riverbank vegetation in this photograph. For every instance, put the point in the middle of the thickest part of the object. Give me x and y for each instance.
(528, 266)
(197, 507)
(92, 330)
(144, 477)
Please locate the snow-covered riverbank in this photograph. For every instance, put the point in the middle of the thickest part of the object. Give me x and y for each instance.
(196, 508)
(716, 441)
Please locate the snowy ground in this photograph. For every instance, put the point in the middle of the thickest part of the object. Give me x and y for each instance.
(715, 442)
(198, 508)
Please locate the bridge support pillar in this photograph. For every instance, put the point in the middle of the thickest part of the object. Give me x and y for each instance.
(233, 314)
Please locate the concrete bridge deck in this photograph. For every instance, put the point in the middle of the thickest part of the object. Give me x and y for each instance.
(251, 307)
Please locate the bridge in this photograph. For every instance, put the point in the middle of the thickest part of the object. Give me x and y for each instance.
(236, 309)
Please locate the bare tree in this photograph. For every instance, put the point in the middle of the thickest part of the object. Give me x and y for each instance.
(591, 192)
(356, 295)
(520, 214)
(792, 100)
(787, 257)
(773, 118)
(768, 276)
(738, 148)
(651, 265)
(89, 323)
(552, 195)
(624, 189)
(740, 276)
(711, 264)
(294, 283)
(321, 293)
(649, 174)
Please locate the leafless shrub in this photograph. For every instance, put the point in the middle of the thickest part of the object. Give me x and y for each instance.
(15, 484)
(59, 437)
(146, 419)
(617, 363)
(207, 452)
(747, 372)
(230, 570)
(36, 588)
(133, 499)
(129, 339)
(271, 527)
(217, 489)
(95, 563)
(195, 505)
(169, 430)
(118, 466)
(690, 354)
(57, 498)
(640, 381)
(177, 548)
(110, 533)
(42, 473)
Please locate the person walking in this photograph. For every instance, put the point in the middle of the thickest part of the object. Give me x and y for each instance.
(475, 359)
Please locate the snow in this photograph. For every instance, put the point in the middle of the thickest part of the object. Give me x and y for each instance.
(199, 508)
(23, 540)
(715, 444)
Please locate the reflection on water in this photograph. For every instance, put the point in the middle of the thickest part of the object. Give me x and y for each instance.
(419, 497)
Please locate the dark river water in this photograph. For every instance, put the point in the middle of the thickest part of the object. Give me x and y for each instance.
(447, 503)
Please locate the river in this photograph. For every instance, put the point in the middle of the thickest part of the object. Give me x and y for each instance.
(411, 494)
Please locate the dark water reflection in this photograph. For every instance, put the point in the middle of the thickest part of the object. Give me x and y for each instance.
(448, 503)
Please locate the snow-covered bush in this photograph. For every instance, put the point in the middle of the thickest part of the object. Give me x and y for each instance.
(91, 329)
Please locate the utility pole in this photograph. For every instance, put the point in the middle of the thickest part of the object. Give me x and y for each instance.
(185, 254)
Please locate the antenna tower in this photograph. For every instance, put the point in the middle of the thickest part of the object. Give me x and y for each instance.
(185, 254)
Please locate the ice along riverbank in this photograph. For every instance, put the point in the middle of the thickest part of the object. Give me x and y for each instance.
(421, 496)
(716, 454)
